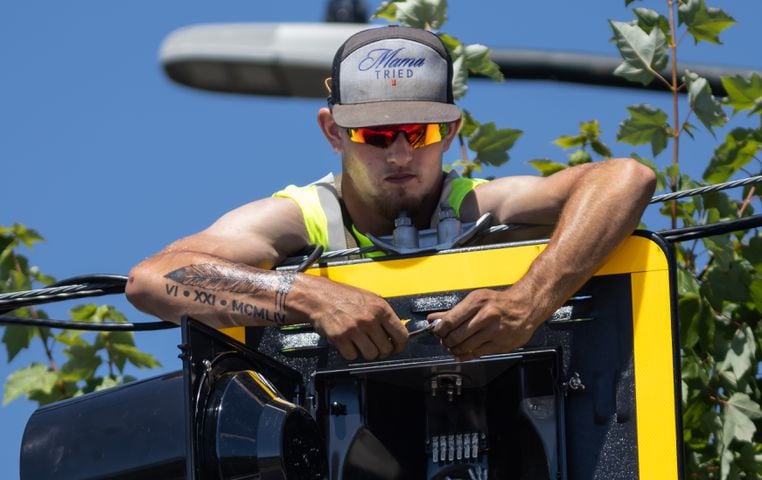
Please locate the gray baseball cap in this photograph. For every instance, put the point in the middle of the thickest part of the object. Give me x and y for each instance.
(392, 75)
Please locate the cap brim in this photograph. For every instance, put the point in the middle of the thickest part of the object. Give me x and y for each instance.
(394, 113)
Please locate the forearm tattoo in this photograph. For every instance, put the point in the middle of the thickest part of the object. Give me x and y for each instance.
(221, 279)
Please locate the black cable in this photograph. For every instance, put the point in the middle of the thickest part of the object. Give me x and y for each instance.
(317, 251)
(93, 285)
(700, 231)
(112, 279)
(92, 327)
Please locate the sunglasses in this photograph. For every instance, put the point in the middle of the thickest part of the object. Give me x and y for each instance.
(418, 135)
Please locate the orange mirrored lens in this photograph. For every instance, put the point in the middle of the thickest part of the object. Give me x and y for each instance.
(418, 135)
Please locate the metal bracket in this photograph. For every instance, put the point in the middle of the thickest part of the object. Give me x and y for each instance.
(429, 240)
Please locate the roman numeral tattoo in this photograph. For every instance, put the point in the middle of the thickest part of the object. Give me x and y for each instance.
(208, 277)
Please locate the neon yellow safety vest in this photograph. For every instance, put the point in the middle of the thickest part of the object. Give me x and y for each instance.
(319, 203)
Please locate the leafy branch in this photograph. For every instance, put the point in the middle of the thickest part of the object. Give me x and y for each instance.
(82, 357)
(719, 278)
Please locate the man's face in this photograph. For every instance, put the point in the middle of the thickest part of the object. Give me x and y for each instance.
(394, 178)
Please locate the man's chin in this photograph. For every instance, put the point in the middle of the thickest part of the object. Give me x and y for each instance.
(393, 207)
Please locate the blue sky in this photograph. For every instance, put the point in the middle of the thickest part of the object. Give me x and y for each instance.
(110, 161)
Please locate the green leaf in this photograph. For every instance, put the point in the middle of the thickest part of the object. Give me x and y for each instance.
(387, 10)
(21, 233)
(123, 338)
(645, 125)
(721, 250)
(459, 69)
(107, 382)
(61, 391)
(703, 103)
(686, 10)
(753, 252)
(727, 284)
(704, 24)
(689, 308)
(17, 338)
(570, 141)
(742, 352)
(38, 276)
(477, 61)
(686, 283)
(740, 147)
(643, 53)
(726, 208)
(600, 148)
(589, 134)
(110, 341)
(84, 313)
(20, 279)
(738, 413)
(82, 364)
(649, 19)
(689, 128)
(27, 380)
(757, 107)
(755, 293)
(591, 129)
(468, 124)
(546, 167)
(426, 14)
(70, 338)
(579, 157)
(743, 94)
(491, 144)
(136, 357)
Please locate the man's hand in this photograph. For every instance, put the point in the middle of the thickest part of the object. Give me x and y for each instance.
(487, 322)
(357, 322)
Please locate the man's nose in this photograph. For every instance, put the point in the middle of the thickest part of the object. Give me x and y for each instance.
(400, 150)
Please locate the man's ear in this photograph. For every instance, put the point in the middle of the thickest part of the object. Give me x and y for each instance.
(329, 128)
(451, 134)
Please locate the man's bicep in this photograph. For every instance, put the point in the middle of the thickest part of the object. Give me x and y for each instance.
(520, 199)
(259, 234)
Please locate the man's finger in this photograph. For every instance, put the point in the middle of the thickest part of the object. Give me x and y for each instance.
(382, 340)
(483, 349)
(367, 348)
(396, 333)
(450, 320)
(346, 348)
(462, 333)
(474, 342)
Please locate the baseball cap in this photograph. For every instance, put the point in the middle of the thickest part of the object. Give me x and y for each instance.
(392, 75)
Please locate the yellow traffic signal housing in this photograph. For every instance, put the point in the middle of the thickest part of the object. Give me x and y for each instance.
(607, 362)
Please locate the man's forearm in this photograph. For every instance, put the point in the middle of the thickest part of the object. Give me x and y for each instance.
(604, 208)
(213, 290)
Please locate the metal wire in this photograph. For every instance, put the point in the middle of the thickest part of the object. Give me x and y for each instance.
(13, 300)
(707, 189)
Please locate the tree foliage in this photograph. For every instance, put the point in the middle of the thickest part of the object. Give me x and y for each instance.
(720, 287)
(74, 363)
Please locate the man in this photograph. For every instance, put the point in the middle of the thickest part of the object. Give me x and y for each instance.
(391, 118)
